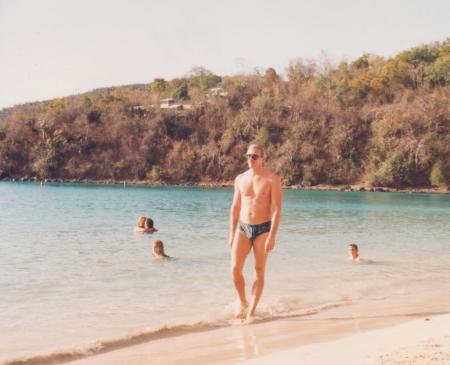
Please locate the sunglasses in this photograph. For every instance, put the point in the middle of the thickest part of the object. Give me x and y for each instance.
(253, 156)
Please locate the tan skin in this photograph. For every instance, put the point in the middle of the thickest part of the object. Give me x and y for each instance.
(158, 250)
(353, 254)
(257, 199)
(144, 227)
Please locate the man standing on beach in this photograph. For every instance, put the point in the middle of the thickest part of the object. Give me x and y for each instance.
(254, 220)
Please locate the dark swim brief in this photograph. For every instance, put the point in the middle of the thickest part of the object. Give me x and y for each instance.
(254, 230)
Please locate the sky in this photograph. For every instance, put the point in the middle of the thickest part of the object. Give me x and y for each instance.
(52, 48)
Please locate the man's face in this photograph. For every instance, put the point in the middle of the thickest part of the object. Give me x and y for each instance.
(254, 157)
(352, 252)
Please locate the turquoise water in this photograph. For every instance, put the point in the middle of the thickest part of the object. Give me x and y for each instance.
(73, 273)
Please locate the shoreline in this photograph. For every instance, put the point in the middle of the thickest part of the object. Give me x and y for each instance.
(265, 341)
(424, 340)
(229, 184)
(239, 344)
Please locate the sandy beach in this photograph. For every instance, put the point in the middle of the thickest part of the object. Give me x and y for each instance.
(377, 332)
(423, 341)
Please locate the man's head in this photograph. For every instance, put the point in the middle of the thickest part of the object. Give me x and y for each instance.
(255, 156)
(353, 251)
(141, 222)
(149, 223)
(158, 247)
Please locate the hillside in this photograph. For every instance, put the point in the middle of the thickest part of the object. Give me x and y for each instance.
(377, 121)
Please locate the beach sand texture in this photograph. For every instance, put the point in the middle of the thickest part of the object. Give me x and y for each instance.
(419, 342)
(385, 333)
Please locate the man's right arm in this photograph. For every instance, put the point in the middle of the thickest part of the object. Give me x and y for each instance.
(234, 212)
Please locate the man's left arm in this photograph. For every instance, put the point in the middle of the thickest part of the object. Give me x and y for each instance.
(276, 202)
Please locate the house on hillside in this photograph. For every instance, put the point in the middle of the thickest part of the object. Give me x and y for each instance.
(166, 103)
(217, 91)
(169, 103)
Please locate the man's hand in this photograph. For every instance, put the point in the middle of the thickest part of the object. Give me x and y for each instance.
(269, 244)
(230, 240)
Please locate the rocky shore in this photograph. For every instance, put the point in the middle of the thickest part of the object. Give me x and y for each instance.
(223, 184)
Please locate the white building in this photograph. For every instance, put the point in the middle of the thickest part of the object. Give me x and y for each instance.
(169, 103)
(217, 91)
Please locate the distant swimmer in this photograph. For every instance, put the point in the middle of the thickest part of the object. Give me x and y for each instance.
(353, 253)
(254, 220)
(158, 250)
(145, 225)
(149, 226)
(141, 222)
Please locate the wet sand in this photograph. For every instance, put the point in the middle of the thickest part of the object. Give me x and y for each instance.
(284, 340)
(419, 342)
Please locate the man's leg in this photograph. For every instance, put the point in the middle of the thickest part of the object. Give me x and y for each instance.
(259, 269)
(239, 252)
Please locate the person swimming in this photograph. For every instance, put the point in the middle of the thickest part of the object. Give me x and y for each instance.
(149, 226)
(145, 225)
(353, 252)
(141, 222)
(158, 250)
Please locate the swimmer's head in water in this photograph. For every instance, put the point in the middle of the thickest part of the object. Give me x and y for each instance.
(158, 248)
(353, 251)
(141, 222)
(149, 223)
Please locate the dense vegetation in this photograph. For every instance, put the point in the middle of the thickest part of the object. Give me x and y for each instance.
(384, 122)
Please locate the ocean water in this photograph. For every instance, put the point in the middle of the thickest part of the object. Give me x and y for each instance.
(74, 276)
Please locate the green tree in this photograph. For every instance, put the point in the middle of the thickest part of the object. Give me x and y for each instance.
(395, 171)
(58, 103)
(362, 62)
(422, 54)
(157, 86)
(300, 71)
(154, 174)
(439, 72)
(439, 175)
(397, 71)
(181, 92)
(203, 78)
(87, 102)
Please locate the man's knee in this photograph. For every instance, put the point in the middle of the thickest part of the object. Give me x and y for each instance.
(236, 271)
(259, 272)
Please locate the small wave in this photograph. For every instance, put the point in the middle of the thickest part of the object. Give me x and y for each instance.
(270, 313)
(304, 312)
(102, 346)
(377, 262)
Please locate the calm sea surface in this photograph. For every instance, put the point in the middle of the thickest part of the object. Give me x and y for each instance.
(73, 273)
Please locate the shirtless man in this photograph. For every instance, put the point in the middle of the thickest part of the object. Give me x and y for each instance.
(254, 220)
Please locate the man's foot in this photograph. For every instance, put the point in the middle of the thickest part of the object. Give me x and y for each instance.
(249, 319)
(242, 314)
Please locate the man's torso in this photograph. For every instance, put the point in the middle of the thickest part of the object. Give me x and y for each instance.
(255, 193)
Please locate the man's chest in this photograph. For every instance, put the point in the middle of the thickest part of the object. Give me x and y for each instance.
(256, 187)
